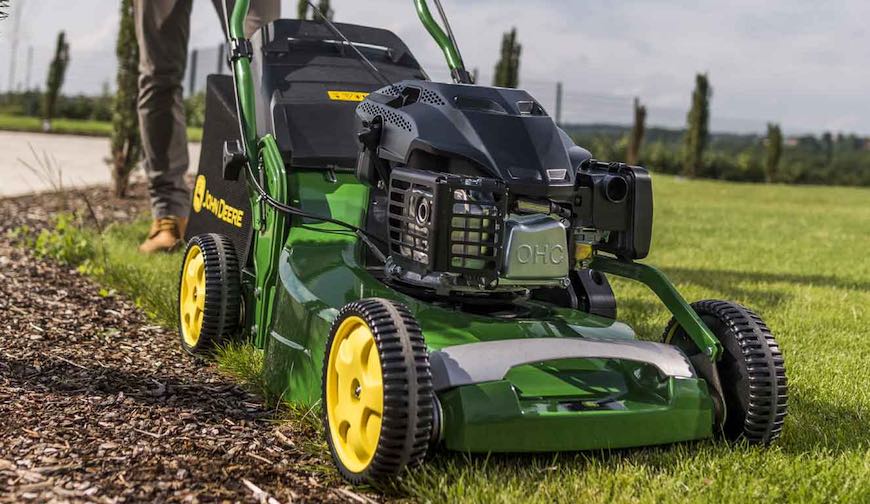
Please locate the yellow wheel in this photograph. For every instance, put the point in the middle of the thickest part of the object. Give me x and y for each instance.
(377, 391)
(192, 297)
(209, 294)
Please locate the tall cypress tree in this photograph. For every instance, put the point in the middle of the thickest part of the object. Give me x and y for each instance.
(302, 9)
(774, 151)
(507, 70)
(828, 146)
(126, 143)
(698, 127)
(324, 7)
(56, 75)
(637, 131)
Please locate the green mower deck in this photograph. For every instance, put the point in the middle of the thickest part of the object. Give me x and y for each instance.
(573, 404)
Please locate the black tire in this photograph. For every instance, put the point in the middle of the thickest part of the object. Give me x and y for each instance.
(407, 416)
(751, 370)
(219, 319)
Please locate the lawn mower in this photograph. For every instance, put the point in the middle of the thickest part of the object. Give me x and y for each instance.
(429, 262)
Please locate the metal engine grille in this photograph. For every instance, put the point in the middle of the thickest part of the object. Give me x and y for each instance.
(475, 230)
(410, 235)
(445, 223)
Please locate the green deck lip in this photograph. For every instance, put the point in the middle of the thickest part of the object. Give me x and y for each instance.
(487, 418)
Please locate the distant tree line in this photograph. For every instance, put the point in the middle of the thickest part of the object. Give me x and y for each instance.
(695, 152)
(827, 159)
(29, 103)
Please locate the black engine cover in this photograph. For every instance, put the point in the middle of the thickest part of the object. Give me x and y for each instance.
(502, 133)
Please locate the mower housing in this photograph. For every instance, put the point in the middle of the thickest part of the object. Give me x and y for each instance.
(511, 372)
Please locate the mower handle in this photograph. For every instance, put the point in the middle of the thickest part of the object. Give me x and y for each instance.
(444, 41)
(239, 56)
(236, 24)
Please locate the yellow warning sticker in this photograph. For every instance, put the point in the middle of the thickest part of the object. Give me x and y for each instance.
(347, 95)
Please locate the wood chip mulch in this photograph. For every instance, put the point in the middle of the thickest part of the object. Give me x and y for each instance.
(99, 405)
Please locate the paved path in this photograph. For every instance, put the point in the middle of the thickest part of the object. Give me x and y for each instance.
(75, 161)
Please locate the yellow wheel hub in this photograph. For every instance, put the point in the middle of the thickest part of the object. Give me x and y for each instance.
(354, 394)
(192, 299)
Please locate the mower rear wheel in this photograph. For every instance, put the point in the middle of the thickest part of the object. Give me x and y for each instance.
(751, 370)
(377, 391)
(209, 293)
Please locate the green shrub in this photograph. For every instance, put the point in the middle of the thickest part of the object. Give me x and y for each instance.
(194, 107)
(66, 242)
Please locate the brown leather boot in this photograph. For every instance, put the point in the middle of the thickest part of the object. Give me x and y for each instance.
(166, 235)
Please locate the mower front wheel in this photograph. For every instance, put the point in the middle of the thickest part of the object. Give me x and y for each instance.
(751, 370)
(377, 391)
(209, 293)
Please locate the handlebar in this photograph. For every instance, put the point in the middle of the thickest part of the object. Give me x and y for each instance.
(444, 41)
(236, 25)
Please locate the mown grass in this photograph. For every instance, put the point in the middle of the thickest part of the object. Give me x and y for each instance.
(71, 126)
(797, 255)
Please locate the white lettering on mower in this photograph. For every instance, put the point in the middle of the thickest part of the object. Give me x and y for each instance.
(540, 254)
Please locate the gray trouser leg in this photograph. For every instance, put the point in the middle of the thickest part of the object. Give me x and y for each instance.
(162, 30)
(261, 12)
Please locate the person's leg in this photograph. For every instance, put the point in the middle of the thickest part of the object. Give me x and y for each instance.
(162, 30)
(261, 12)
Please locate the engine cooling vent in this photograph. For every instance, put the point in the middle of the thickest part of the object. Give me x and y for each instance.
(389, 115)
(393, 90)
(410, 218)
(432, 98)
(475, 230)
(445, 223)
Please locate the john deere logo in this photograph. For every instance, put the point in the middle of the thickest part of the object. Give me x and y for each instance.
(217, 206)
(198, 193)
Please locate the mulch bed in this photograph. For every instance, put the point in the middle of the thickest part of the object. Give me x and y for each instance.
(98, 404)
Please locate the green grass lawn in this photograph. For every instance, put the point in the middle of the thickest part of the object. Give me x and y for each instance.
(71, 126)
(797, 255)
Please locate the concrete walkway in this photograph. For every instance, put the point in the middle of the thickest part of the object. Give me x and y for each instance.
(73, 161)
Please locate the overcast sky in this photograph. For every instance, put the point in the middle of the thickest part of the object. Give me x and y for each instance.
(798, 62)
